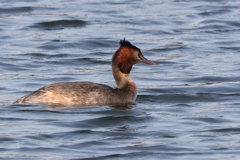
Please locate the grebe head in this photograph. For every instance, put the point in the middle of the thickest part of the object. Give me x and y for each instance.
(128, 55)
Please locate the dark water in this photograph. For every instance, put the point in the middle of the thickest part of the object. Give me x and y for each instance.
(188, 106)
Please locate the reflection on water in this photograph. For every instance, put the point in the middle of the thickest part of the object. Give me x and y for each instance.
(187, 105)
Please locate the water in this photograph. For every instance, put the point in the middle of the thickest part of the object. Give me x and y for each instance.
(188, 105)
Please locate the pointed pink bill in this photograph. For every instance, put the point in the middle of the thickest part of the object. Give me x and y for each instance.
(144, 60)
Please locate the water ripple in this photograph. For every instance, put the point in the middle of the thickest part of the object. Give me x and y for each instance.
(15, 10)
(59, 24)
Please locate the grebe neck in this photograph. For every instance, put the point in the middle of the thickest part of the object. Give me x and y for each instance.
(123, 80)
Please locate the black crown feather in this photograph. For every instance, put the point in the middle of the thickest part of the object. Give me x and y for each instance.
(125, 43)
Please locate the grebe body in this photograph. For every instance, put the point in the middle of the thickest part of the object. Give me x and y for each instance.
(88, 93)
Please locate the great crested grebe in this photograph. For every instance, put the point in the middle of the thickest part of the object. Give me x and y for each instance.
(88, 93)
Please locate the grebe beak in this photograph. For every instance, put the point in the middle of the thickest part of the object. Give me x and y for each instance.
(144, 60)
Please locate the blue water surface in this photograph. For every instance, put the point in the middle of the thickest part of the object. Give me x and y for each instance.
(188, 106)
